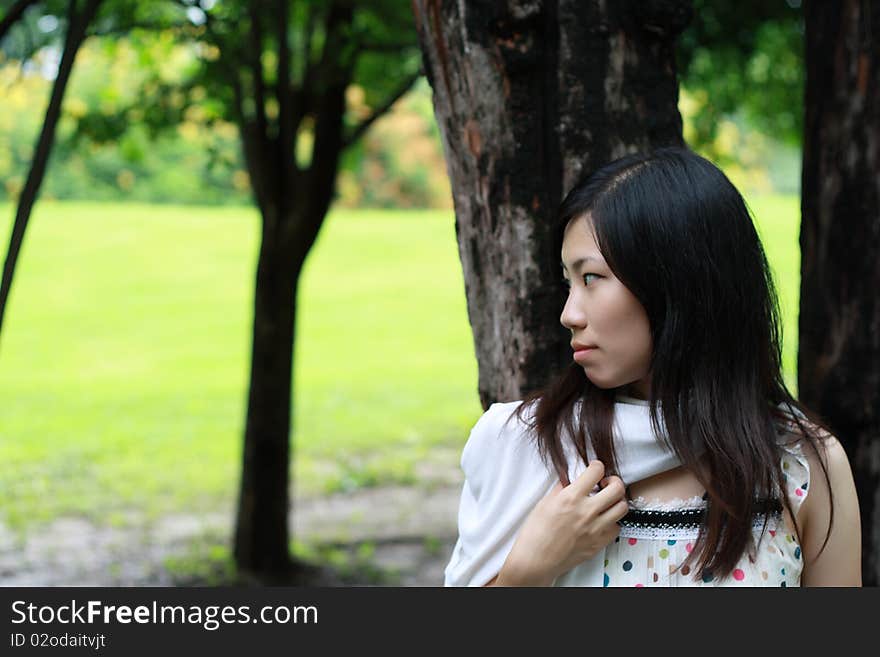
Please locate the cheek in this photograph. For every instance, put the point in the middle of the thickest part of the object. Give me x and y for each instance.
(631, 326)
(641, 340)
(617, 310)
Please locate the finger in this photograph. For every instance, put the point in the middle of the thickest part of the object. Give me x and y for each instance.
(613, 513)
(612, 480)
(613, 492)
(607, 480)
(588, 478)
(606, 524)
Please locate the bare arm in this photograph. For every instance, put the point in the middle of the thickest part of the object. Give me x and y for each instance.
(839, 563)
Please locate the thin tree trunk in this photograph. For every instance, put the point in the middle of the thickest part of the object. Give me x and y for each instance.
(261, 535)
(293, 206)
(530, 97)
(76, 32)
(839, 344)
(13, 15)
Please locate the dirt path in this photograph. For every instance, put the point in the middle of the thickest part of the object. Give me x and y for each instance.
(407, 533)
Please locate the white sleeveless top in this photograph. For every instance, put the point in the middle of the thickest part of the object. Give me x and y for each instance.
(655, 539)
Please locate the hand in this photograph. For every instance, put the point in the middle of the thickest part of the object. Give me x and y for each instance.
(567, 527)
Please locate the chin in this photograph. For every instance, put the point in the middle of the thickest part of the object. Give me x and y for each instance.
(604, 384)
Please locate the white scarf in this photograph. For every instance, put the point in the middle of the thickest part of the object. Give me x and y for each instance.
(505, 478)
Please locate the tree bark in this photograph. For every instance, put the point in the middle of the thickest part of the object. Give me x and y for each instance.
(839, 345)
(78, 22)
(530, 96)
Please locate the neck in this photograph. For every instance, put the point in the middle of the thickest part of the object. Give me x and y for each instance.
(638, 390)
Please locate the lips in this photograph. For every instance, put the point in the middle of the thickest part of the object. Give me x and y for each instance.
(579, 346)
(582, 351)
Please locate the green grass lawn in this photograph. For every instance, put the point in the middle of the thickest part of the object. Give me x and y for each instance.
(124, 358)
(124, 361)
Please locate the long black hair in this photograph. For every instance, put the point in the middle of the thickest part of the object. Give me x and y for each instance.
(678, 235)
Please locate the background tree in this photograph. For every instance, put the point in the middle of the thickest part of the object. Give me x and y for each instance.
(71, 22)
(530, 97)
(77, 17)
(839, 349)
(12, 14)
(280, 70)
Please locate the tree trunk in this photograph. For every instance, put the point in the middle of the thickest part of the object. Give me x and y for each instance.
(261, 534)
(293, 204)
(78, 22)
(289, 231)
(530, 97)
(839, 346)
(13, 15)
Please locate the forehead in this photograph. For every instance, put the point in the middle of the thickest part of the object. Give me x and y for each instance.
(579, 243)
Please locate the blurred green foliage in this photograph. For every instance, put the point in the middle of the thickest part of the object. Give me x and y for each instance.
(744, 60)
(138, 125)
(399, 162)
(103, 153)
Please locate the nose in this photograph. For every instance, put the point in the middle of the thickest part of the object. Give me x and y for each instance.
(572, 316)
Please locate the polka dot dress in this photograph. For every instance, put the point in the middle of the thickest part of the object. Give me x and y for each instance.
(656, 539)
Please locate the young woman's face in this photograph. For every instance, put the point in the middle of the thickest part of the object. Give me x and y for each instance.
(603, 316)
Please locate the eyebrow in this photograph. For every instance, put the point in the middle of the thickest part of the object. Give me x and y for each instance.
(580, 261)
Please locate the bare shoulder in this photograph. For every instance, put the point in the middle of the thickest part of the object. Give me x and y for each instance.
(834, 456)
(823, 451)
(831, 529)
(827, 456)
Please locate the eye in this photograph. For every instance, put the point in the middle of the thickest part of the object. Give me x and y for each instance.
(588, 278)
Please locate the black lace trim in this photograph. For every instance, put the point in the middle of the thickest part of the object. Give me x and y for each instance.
(682, 518)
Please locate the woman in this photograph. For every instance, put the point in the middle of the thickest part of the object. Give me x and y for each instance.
(670, 452)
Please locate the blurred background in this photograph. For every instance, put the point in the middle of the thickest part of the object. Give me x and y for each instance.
(125, 351)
